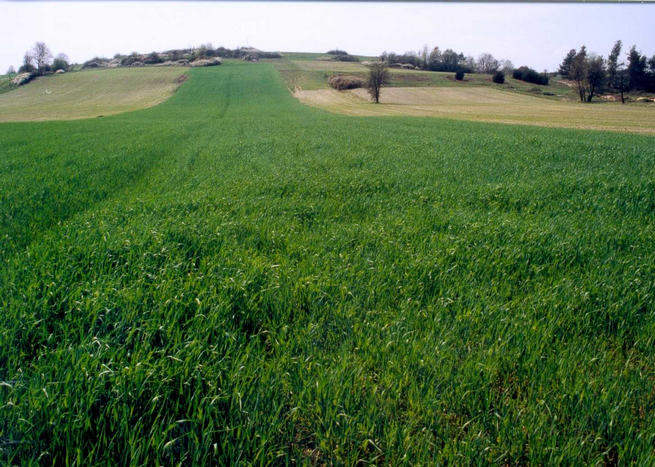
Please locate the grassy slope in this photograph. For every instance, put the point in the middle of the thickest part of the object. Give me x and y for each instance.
(234, 276)
(5, 83)
(89, 93)
(312, 73)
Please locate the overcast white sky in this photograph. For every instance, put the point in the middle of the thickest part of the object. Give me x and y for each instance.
(527, 34)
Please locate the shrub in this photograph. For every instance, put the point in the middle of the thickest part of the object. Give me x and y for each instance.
(27, 68)
(270, 55)
(345, 58)
(153, 58)
(130, 59)
(499, 77)
(337, 52)
(59, 64)
(459, 75)
(341, 82)
(529, 75)
(22, 78)
(206, 62)
(95, 62)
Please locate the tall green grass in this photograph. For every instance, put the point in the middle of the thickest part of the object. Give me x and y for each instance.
(232, 277)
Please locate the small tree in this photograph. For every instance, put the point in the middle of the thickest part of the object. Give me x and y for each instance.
(622, 81)
(459, 75)
(617, 75)
(28, 64)
(378, 76)
(499, 77)
(578, 72)
(565, 66)
(613, 62)
(636, 68)
(11, 70)
(507, 66)
(60, 63)
(595, 77)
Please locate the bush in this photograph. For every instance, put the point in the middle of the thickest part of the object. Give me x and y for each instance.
(345, 58)
(27, 68)
(59, 64)
(499, 77)
(153, 58)
(529, 75)
(337, 52)
(201, 62)
(459, 75)
(341, 82)
(95, 62)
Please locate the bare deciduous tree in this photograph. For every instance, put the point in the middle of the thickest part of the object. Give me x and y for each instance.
(506, 66)
(378, 77)
(41, 56)
(487, 64)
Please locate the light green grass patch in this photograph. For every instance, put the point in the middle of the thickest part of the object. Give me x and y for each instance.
(91, 93)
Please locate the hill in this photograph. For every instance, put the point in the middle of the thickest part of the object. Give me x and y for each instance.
(234, 277)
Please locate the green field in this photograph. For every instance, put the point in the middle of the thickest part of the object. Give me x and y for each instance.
(234, 277)
(89, 93)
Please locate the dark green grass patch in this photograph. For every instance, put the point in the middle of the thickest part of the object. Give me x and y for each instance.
(234, 277)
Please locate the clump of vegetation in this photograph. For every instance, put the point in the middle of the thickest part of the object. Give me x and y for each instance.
(153, 58)
(342, 56)
(206, 62)
(498, 77)
(529, 75)
(459, 75)
(342, 82)
(60, 63)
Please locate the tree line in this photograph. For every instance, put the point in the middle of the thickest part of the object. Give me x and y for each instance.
(448, 60)
(592, 73)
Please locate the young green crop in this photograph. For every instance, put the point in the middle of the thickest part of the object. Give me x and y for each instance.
(234, 277)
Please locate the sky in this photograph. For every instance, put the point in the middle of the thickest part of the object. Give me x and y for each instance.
(537, 35)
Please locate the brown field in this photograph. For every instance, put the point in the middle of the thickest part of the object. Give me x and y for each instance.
(485, 104)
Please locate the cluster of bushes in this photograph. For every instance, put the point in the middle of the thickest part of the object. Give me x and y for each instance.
(397, 60)
(529, 75)
(342, 56)
(243, 52)
(204, 55)
(341, 82)
(206, 62)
